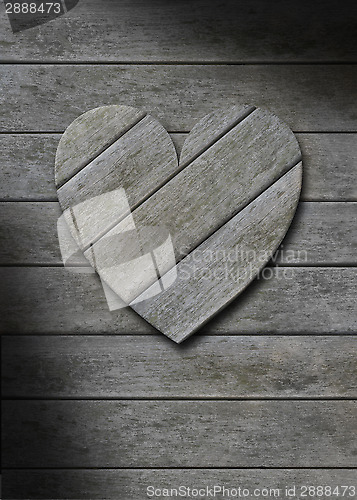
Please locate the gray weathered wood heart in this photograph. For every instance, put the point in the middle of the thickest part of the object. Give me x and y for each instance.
(177, 240)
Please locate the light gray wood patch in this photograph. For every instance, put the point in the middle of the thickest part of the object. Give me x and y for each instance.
(179, 433)
(283, 301)
(208, 367)
(178, 96)
(90, 135)
(208, 130)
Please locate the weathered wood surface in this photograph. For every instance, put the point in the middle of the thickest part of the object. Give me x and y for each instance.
(90, 135)
(288, 301)
(219, 182)
(91, 128)
(320, 233)
(141, 160)
(307, 98)
(138, 161)
(179, 434)
(314, 301)
(221, 267)
(207, 367)
(175, 31)
(330, 171)
(228, 160)
(214, 126)
(95, 196)
(129, 484)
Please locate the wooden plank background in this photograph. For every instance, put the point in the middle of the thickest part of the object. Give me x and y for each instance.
(132, 30)
(126, 483)
(98, 404)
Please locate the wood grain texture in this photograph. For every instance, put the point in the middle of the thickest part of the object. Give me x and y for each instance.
(181, 31)
(141, 160)
(179, 433)
(221, 267)
(306, 97)
(330, 170)
(282, 301)
(27, 167)
(321, 233)
(91, 134)
(311, 98)
(93, 199)
(144, 153)
(132, 484)
(215, 185)
(207, 367)
(214, 126)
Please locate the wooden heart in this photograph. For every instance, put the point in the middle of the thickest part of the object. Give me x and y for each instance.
(208, 223)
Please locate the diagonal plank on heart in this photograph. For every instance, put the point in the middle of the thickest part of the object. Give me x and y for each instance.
(177, 241)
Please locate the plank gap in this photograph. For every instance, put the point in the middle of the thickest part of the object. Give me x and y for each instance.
(163, 398)
(161, 62)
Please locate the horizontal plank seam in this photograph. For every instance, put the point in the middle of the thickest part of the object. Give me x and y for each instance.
(321, 265)
(336, 202)
(197, 62)
(179, 398)
(223, 335)
(85, 164)
(54, 200)
(317, 265)
(213, 467)
(159, 335)
(60, 132)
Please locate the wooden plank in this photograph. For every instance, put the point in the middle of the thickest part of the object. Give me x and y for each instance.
(220, 268)
(147, 367)
(179, 434)
(329, 166)
(129, 484)
(321, 233)
(282, 301)
(329, 233)
(176, 31)
(177, 95)
(329, 162)
(27, 167)
(95, 132)
(29, 233)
